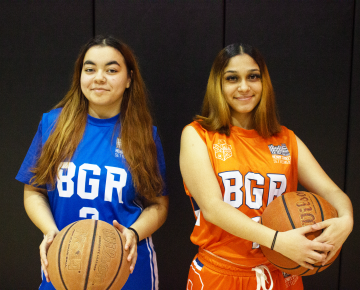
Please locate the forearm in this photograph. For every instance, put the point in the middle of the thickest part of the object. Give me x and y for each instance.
(151, 218)
(237, 223)
(38, 209)
(341, 202)
(314, 179)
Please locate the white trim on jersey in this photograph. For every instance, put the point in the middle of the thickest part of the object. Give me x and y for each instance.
(202, 284)
(138, 205)
(197, 266)
(153, 264)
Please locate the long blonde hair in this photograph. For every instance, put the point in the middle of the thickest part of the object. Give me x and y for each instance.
(216, 116)
(136, 128)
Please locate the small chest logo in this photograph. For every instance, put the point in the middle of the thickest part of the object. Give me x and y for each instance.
(118, 150)
(280, 153)
(222, 150)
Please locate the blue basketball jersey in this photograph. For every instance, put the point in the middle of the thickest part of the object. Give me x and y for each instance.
(97, 184)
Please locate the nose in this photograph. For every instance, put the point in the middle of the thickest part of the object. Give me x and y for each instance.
(243, 86)
(99, 76)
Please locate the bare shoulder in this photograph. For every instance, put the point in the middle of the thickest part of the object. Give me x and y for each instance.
(191, 141)
(188, 131)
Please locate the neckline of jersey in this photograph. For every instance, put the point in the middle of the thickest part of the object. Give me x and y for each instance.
(243, 132)
(102, 122)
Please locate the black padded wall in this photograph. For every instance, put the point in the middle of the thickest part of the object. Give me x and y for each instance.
(351, 251)
(40, 41)
(308, 52)
(312, 51)
(175, 43)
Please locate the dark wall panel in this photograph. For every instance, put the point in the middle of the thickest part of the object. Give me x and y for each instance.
(350, 254)
(311, 50)
(175, 42)
(307, 45)
(40, 41)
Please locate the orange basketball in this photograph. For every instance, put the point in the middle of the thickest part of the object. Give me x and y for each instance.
(88, 254)
(293, 210)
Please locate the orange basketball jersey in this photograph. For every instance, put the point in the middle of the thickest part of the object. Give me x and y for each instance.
(252, 172)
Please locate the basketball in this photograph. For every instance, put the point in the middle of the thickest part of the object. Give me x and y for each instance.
(293, 210)
(88, 254)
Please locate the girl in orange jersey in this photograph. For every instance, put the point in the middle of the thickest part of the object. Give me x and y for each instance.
(235, 159)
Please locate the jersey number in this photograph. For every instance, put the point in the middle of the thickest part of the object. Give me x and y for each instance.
(233, 182)
(66, 185)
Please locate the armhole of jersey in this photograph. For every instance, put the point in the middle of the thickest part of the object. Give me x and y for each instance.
(294, 151)
(201, 132)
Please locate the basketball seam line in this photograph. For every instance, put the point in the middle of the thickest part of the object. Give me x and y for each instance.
(322, 218)
(121, 260)
(287, 211)
(322, 213)
(307, 270)
(297, 267)
(59, 255)
(91, 254)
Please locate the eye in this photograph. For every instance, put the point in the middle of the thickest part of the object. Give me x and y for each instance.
(88, 70)
(111, 70)
(231, 78)
(254, 77)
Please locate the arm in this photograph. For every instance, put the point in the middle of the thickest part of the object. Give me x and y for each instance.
(149, 221)
(314, 179)
(38, 209)
(201, 181)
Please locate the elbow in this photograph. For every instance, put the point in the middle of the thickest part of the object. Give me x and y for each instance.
(209, 214)
(213, 210)
(162, 207)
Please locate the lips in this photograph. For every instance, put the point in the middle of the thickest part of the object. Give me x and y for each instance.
(243, 97)
(99, 90)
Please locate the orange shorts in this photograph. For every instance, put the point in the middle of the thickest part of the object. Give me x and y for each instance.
(208, 272)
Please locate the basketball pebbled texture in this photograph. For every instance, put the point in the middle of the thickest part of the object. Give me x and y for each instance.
(88, 254)
(293, 210)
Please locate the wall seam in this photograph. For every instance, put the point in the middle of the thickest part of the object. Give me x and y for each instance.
(224, 23)
(348, 121)
(93, 18)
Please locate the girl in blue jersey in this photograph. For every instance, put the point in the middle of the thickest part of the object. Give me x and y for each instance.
(97, 155)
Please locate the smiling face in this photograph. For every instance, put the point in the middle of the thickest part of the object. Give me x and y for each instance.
(104, 78)
(242, 88)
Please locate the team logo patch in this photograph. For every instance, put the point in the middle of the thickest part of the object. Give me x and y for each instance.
(222, 150)
(280, 153)
(118, 150)
(290, 280)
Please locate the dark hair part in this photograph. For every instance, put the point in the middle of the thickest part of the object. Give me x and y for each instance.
(216, 115)
(136, 127)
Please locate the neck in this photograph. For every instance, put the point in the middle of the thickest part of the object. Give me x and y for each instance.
(243, 120)
(103, 113)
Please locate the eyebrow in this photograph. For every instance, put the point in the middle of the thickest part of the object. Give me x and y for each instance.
(234, 71)
(109, 63)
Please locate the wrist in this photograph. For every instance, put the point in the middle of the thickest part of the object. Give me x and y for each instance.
(348, 221)
(135, 233)
(51, 231)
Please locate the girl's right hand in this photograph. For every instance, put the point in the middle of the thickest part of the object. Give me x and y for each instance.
(44, 246)
(294, 245)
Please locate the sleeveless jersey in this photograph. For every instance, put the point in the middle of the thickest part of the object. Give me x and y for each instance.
(251, 172)
(96, 184)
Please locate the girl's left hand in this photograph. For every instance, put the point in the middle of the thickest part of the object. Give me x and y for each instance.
(336, 231)
(130, 244)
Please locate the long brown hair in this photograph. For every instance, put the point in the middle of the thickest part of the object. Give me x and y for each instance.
(216, 116)
(137, 141)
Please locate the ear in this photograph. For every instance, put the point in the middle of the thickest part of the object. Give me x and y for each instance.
(129, 80)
